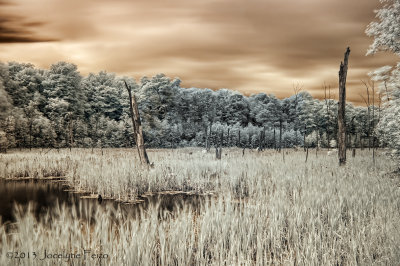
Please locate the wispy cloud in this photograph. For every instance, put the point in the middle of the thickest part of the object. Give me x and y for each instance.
(252, 46)
(17, 28)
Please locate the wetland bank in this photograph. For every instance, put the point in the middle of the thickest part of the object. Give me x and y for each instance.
(264, 208)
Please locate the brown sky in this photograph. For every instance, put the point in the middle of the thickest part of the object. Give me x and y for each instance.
(246, 45)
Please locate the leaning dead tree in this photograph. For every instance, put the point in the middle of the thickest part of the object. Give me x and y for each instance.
(342, 107)
(137, 126)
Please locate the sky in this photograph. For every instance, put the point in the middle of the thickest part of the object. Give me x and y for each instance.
(252, 46)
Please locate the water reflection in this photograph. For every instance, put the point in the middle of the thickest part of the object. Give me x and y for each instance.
(44, 195)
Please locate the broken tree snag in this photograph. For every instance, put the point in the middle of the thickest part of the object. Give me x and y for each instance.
(341, 109)
(137, 127)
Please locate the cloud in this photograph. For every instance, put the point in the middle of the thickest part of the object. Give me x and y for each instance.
(252, 46)
(17, 29)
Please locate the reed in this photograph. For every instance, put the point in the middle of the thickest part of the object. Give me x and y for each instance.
(265, 210)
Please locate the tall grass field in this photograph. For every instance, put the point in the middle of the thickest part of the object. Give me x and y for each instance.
(259, 208)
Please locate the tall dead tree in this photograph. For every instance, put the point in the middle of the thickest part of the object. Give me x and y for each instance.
(137, 127)
(304, 138)
(368, 103)
(297, 89)
(342, 108)
(379, 111)
(373, 122)
(328, 113)
(280, 134)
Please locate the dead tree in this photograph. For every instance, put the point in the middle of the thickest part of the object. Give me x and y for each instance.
(274, 139)
(205, 138)
(307, 155)
(238, 143)
(387, 93)
(379, 113)
(208, 138)
(137, 127)
(328, 112)
(373, 122)
(280, 134)
(227, 139)
(218, 147)
(297, 89)
(368, 103)
(342, 108)
(304, 138)
(261, 140)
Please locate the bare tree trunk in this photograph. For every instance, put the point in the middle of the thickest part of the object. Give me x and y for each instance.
(221, 143)
(205, 137)
(361, 143)
(373, 122)
(327, 103)
(369, 123)
(209, 138)
(379, 115)
(342, 108)
(30, 136)
(304, 137)
(280, 136)
(373, 155)
(137, 127)
(367, 102)
(70, 135)
(238, 144)
(296, 90)
(387, 93)
(265, 129)
(373, 116)
(227, 139)
(218, 148)
(317, 147)
(307, 155)
(261, 140)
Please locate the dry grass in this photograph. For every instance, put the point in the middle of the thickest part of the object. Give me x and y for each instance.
(269, 210)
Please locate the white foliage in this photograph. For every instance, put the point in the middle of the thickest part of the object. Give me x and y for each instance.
(386, 30)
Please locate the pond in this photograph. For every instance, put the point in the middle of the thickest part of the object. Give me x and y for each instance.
(44, 195)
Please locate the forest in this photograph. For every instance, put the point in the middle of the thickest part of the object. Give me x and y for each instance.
(58, 108)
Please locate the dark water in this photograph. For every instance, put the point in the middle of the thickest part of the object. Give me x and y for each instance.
(40, 194)
(44, 195)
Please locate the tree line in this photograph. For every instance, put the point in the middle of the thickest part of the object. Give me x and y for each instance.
(385, 32)
(59, 108)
